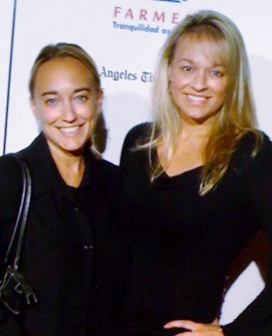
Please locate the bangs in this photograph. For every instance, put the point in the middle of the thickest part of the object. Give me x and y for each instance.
(214, 43)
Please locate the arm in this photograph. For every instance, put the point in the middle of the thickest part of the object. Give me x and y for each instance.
(257, 318)
(10, 186)
(10, 196)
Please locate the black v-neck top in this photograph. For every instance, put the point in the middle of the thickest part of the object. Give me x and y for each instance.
(183, 243)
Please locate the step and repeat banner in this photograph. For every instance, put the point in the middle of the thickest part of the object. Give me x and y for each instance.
(124, 38)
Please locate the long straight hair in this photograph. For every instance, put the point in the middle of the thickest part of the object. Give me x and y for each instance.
(236, 117)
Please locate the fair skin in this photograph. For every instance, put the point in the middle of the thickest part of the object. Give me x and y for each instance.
(66, 104)
(198, 84)
(196, 329)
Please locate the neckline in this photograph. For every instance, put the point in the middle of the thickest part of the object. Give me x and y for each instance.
(164, 177)
(165, 180)
(182, 174)
(185, 172)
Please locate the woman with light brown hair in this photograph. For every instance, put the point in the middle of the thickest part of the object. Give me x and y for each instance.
(73, 255)
(197, 185)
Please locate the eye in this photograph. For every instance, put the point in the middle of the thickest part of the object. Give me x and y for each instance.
(82, 98)
(217, 73)
(186, 68)
(50, 101)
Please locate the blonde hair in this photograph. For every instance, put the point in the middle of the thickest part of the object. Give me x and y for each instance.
(237, 115)
(64, 50)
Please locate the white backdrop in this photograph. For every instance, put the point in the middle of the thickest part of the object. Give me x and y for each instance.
(124, 37)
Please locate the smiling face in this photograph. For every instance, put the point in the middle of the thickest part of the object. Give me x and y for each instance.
(66, 104)
(198, 80)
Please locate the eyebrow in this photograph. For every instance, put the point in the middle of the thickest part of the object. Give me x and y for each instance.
(192, 62)
(185, 59)
(219, 65)
(56, 92)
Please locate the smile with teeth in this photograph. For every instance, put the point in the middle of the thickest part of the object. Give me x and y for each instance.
(196, 99)
(69, 130)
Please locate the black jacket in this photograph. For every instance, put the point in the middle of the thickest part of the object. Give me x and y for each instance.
(74, 255)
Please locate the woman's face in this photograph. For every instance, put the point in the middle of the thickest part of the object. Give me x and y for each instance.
(198, 80)
(66, 104)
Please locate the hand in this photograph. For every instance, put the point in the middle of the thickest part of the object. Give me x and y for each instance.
(196, 329)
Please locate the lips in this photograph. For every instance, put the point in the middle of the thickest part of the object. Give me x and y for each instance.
(196, 99)
(69, 130)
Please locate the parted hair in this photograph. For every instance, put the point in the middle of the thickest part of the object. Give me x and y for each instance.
(236, 117)
(63, 50)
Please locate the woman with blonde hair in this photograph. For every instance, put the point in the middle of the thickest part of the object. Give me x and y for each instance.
(73, 255)
(197, 185)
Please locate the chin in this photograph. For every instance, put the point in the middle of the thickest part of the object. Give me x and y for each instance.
(74, 151)
(73, 148)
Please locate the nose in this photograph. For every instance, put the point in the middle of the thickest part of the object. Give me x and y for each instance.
(68, 112)
(199, 81)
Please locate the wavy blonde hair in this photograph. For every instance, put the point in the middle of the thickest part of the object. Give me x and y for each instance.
(237, 115)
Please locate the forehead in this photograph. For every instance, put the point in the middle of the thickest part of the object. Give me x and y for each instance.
(192, 45)
(62, 70)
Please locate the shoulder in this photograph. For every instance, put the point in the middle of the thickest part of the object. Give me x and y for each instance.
(108, 166)
(263, 158)
(10, 172)
(257, 142)
(109, 175)
(139, 134)
(254, 151)
(11, 183)
(108, 169)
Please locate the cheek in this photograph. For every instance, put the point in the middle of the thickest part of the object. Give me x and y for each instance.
(175, 89)
(178, 82)
(94, 110)
(222, 85)
(47, 115)
(222, 91)
(89, 113)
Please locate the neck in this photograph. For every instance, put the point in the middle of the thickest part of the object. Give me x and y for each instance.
(71, 167)
(188, 154)
(194, 130)
(192, 126)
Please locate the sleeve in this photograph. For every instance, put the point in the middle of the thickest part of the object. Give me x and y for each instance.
(111, 266)
(10, 197)
(256, 319)
(11, 183)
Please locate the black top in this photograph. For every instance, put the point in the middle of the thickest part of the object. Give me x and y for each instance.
(183, 243)
(73, 255)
